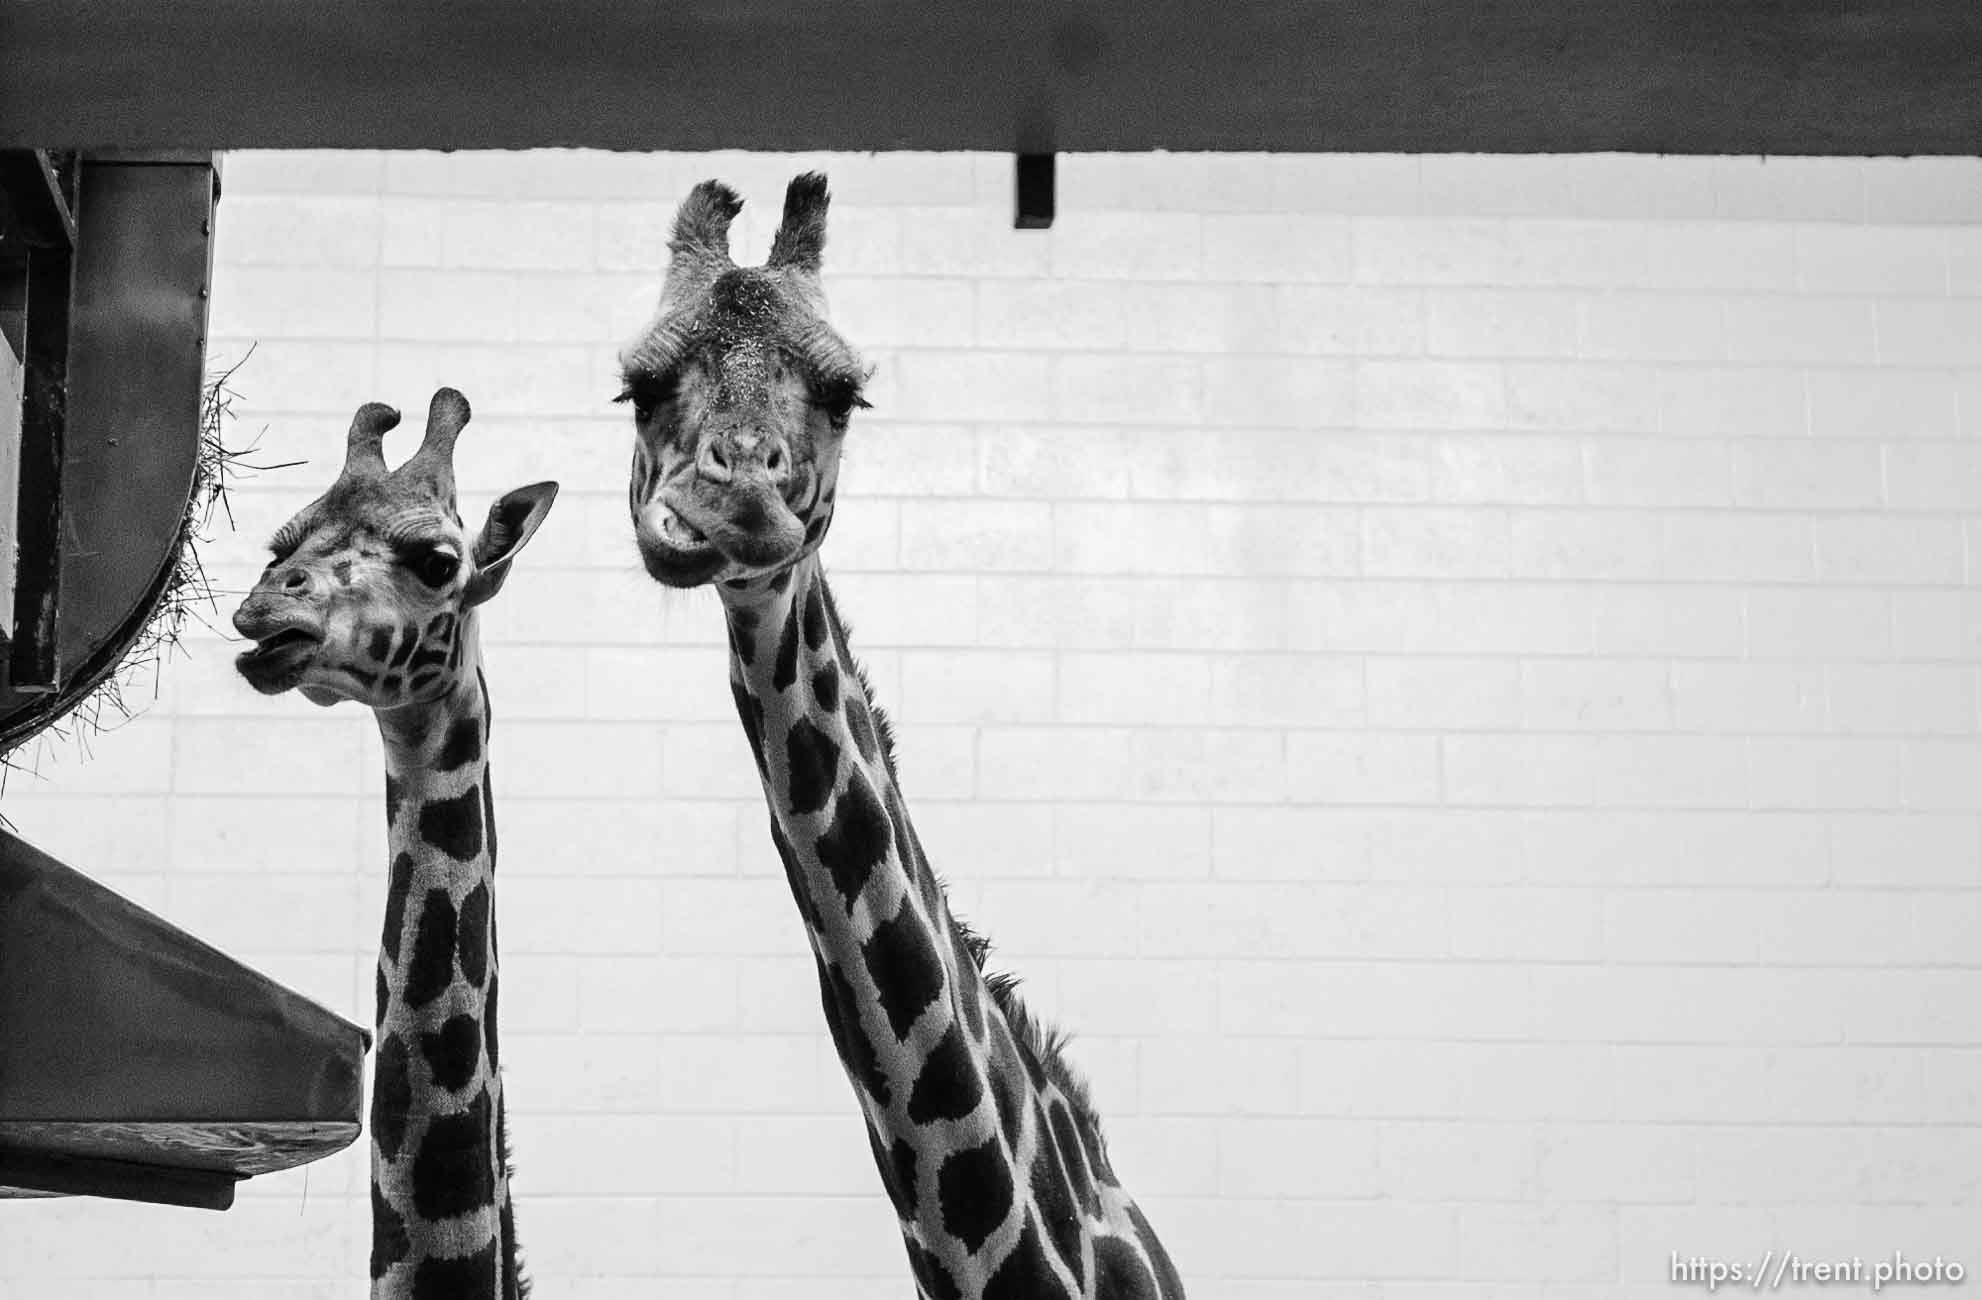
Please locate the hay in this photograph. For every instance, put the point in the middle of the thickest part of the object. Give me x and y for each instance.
(186, 593)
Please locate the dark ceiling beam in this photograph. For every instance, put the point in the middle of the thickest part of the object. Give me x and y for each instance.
(1022, 76)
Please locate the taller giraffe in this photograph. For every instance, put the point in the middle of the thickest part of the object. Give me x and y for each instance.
(372, 596)
(984, 1138)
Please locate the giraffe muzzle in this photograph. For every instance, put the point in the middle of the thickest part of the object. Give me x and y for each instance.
(277, 663)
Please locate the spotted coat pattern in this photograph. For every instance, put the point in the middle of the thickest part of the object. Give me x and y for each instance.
(443, 1223)
(983, 1137)
(371, 595)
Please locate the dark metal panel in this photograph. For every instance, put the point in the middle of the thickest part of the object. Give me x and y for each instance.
(34, 662)
(109, 1013)
(125, 1041)
(35, 199)
(1032, 76)
(130, 439)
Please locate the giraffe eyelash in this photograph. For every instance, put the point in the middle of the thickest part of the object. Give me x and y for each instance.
(648, 391)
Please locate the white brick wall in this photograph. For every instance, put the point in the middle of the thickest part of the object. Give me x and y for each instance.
(1456, 676)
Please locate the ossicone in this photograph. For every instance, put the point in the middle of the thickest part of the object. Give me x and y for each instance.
(801, 238)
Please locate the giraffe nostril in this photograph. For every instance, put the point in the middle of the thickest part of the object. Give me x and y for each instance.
(713, 462)
(296, 581)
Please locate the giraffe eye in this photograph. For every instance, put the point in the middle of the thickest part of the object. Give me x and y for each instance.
(648, 393)
(435, 568)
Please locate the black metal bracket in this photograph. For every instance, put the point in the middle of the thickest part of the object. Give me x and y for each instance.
(1034, 207)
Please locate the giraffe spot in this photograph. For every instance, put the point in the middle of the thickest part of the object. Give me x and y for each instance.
(815, 618)
(458, 1275)
(422, 680)
(903, 966)
(342, 572)
(780, 581)
(488, 814)
(453, 1051)
(454, 826)
(1054, 1202)
(431, 969)
(489, 1026)
(513, 1286)
(381, 995)
(902, 1199)
(392, 1094)
(816, 529)
(408, 638)
(463, 744)
(389, 1241)
(396, 891)
(930, 1275)
(441, 626)
(843, 1022)
(902, 1158)
(1169, 1285)
(974, 1192)
(1033, 1067)
(737, 584)
(454, 1169)
(380, 644)
(472, 937)
(430, 657)
(361, 676)
(784, 670)
(795, 876)
(813, 758)
(826, 688)
(857, 838)
(750, 711)
(861, 723)
(1090, 1145)
(454, 657)
(948, 1086)
(743, 624)
(394, 792)
(391, 683)
(1025, 1274)
(1008, 1090)
(1119, 1270)
(1074, 1157)
(970, 985)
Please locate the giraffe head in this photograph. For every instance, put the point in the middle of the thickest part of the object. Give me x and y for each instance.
(741, 392)
(369, 593)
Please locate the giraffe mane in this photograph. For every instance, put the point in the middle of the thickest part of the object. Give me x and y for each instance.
(1038, 1038)
(1042, 1040)
(512, 1248)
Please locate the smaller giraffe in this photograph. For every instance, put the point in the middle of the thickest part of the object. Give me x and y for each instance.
(372, 596)
(985, 1139)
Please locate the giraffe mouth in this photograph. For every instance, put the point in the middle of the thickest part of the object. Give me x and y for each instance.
(674, 551)
(277, 662)
(678, 532)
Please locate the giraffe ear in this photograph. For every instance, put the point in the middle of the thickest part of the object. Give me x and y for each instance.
(513, 520)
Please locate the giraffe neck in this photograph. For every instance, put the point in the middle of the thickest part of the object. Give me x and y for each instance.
(983, 1141)
(441, 1219)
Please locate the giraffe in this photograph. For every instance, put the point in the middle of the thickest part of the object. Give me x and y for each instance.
(371, 596)
(985, 1139)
